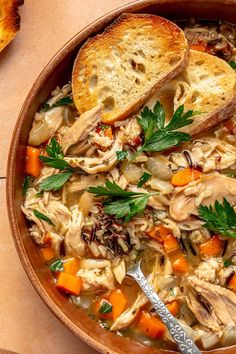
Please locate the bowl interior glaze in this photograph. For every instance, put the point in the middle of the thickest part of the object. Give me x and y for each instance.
(58, 72)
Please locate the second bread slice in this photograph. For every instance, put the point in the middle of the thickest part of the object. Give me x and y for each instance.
(123, 66)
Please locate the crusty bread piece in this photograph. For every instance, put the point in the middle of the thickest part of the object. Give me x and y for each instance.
(9, 21)
(123, 66)
(208, 85)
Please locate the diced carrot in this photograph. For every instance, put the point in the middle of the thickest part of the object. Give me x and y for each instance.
(159, 232)
(151, 326)
(232, 283)
(229, 125)
(33, 164)
(108, 133)
(183, 177)
(174, 307)
(48, 253)
(201, 47)
(170, 244)
(96, 308)
(119, 302)
(212, 247)
(69, 284)
(71, 266)
(180, 265)
(47, 239)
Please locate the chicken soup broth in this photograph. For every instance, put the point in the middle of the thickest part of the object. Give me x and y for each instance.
(100, 197)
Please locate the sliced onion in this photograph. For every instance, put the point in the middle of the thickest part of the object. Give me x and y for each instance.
(85, 203)
(209, 340)
(162, 186)
(39, 133)
(159, 167)
(94, 263)
(229, 336)
(131, 172)
(54, 118)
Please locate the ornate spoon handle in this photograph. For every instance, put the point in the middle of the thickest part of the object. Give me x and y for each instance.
(185, 344)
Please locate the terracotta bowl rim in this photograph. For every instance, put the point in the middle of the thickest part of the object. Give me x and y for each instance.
(130, 7)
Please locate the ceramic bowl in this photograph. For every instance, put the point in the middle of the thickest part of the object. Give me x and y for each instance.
(58, 72)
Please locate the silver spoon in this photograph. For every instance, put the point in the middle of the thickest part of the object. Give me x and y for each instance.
(184, 343)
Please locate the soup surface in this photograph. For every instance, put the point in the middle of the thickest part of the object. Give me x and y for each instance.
(97, 202)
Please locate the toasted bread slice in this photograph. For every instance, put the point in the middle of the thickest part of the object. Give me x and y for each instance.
(123, 66)
(9, 20)
(208, 85)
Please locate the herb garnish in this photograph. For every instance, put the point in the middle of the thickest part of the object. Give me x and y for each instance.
(221, 220)
(65, 101)
(106, 307)
(56, 160)
(232, 63)
(121, 155)
(227, 263)
(26, 184)
(56, 266)
(119, 202)
(144, 178)
(43, 217)
(55, 182)
(157, 136)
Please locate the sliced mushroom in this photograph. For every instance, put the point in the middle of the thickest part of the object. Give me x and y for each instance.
(92, 165)
(206, 190)
(82, 126)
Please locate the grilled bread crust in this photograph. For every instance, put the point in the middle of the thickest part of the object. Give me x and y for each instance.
(126, 64)
(207, 85)
(9, 20)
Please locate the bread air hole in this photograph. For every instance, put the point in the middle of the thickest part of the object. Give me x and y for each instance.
(203, 77)
(109, 104)
(199, 62)
(195, 96)
(174, 60)
(139, 67)
(93, 82)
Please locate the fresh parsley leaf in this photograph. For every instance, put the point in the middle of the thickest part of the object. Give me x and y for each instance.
(157, 136)
(55, 182)
(221, 219)
(105, 127)
(144, 178)
(26, 184)
(121, 155)
(119, 202)
(43, 217)
(56, 162)
(227, 263)
(232, 63)
(65, 101)
(54, 149)
(56, 266)
(112, 190)
(106, 307)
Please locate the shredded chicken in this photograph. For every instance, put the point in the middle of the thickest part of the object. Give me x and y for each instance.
(186, 200)
(92, 165)
(80, 129)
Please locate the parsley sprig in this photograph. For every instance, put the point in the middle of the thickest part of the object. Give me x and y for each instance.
(65, 101)
(121, 203)
(56, 160)
(157, 136)
(220, 219)
(43, 217)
